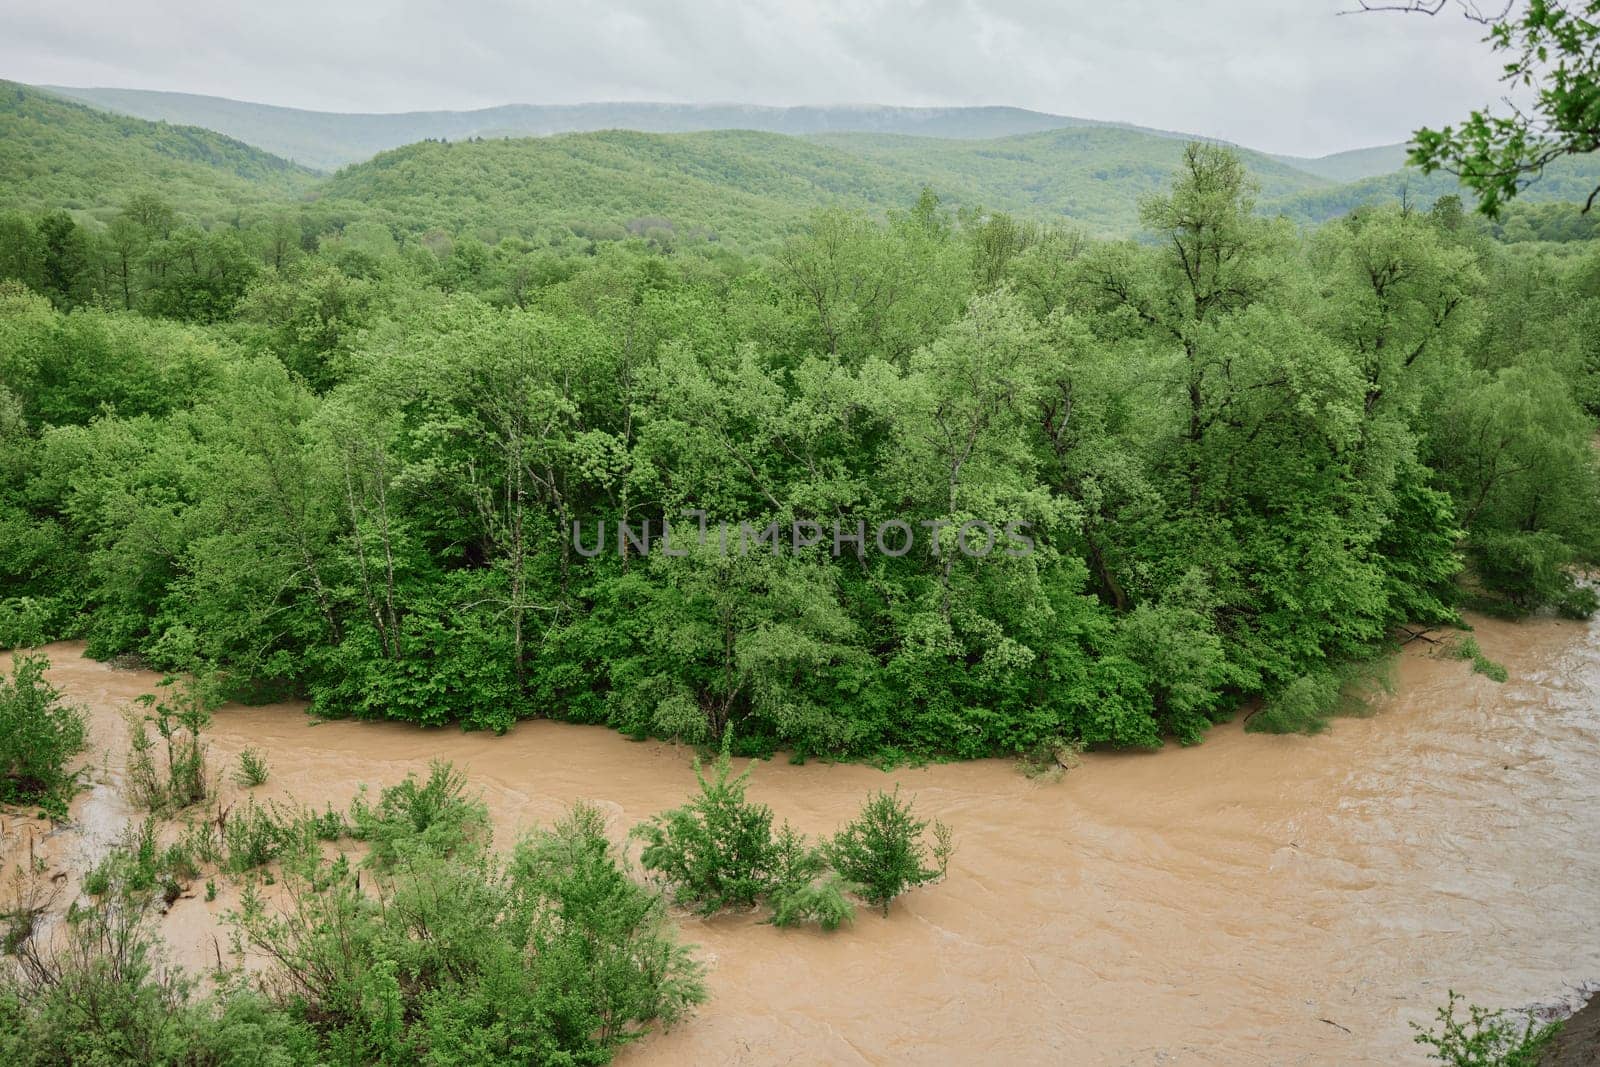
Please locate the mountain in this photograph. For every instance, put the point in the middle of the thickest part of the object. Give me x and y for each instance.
(747, 186)
(742, 186)
(329, 140)
(734, 185)
(1353, 165)
(55, 153)
(1093, 176)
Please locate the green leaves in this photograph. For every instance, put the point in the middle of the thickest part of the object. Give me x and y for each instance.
(716, 851)
(1551, 48)
(39, 737)
(882, 854)
(1238, 457)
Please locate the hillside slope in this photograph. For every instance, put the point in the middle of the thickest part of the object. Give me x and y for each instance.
(1354, 165)
(1568, 180)
(58, 154)
(1091, 176)
(737, 186)
(329, 140)
(748, 187)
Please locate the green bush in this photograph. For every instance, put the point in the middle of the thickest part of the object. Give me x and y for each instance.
(454, 955)
(102, 996)
(435, 815)
(804, 889)
(882, 854)
(1466, 647)
(173, 774)
(39, 736)
(253, 836)
(717, 850)
(1485, 1038)
(252, 769)
(553, 957)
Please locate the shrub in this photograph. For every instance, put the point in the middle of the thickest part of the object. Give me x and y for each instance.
(435, 815)
(1485, 1039)
(554, 957)
(138, 867)
(1466, 647)
(254, 836)
(252, 769)
(39, 736)
(1529, 570)
(101, 996)
(882, 854)
(804, 889)
(173, 775)
(716, 851)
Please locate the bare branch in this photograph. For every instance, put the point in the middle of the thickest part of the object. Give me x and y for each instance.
(1469, 9)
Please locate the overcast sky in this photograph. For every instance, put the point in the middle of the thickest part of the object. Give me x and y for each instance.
(1280, 75)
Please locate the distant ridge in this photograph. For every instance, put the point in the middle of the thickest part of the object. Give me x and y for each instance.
(1354, 165)
(510, 171)
(59, 153)
(327, 140)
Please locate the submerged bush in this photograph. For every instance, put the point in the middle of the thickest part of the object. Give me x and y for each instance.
(719, 851)
(435, 815)
(553, 954)
(883, 853)
(1529, 571)
(716, 851)
(173, 774)
(39, 736)
(804, 889)
(252, 769)
(1307, 703)
(1466, 647)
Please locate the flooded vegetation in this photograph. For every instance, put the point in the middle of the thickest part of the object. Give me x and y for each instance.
(1261, 899)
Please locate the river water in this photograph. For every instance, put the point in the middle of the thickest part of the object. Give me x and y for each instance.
(1251, 900)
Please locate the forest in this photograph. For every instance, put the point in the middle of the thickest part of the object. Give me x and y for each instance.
(322, 454)
(863, 441)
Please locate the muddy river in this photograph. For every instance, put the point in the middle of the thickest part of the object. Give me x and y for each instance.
(1255, 899)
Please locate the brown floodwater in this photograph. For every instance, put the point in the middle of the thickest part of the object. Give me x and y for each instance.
(1254, 899)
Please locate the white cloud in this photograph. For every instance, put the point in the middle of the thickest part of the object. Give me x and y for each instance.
(1281, 75)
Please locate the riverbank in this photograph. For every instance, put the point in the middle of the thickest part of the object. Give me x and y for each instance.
(1255, 899)
(1578, 1043)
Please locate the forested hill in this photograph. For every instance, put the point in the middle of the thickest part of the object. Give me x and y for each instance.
(1094, 176)
(1567, 180)
(58, 154)
(736, 187)
(329, 140)
(1353, 165)
(733, 185)
(747, 187)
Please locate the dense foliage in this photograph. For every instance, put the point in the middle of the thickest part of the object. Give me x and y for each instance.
(58, 154)
(328, 456)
